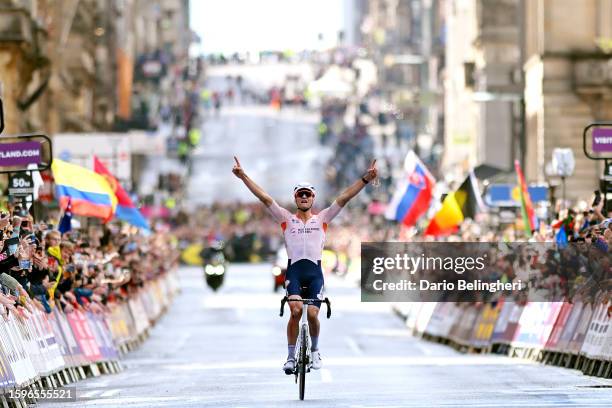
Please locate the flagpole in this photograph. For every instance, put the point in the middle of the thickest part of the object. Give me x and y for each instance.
(563, 187)
(57, 224)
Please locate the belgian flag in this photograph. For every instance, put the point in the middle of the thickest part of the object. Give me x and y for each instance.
(458, 205)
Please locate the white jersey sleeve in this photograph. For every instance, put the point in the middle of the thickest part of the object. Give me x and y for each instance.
(278, 213)
(330, 212)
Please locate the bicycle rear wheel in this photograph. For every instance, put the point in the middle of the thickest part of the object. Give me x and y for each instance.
(302, 364)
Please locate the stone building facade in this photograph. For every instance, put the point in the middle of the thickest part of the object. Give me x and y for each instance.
(568, 72)
(68, 65)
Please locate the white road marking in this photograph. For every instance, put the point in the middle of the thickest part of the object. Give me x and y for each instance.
(424, 349)
(101, 382)
(326, 375)
(180, 343)
(395, 333)
(87, 394)
(110, 393)
(354, 346)
(372, 361)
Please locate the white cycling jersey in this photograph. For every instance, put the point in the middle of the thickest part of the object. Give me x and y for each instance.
(304, 240)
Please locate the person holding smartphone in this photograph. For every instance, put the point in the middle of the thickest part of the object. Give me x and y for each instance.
(597, 208)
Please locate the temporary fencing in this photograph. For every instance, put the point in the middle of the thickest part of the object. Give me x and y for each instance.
(574, 335)
(40, 350)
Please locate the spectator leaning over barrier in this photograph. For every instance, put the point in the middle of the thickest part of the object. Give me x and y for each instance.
(53, 239)
(81, 270)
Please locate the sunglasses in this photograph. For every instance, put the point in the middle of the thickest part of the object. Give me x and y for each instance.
(304, 194)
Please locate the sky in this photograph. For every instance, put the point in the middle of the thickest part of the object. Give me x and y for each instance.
(254, 25)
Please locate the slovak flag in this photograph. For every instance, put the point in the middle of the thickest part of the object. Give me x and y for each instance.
(413, 193)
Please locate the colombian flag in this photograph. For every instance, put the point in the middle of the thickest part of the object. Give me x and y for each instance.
(126, 210)
(89, 193)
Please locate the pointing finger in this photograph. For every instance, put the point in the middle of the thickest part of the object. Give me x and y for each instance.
(373, 164)
(236, 159)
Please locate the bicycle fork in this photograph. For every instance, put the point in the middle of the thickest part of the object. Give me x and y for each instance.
(303, 340)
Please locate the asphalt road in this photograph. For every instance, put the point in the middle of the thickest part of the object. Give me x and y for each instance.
(276, 148)
(226, 349)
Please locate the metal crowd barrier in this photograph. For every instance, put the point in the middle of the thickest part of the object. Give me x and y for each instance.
(47, 351)
(574, 335)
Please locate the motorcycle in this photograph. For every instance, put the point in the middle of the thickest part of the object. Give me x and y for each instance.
(215, 267)
(279, 268)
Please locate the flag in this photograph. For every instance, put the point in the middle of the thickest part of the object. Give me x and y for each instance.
(89, 193)
(413, 193)
(65, 223)
(457, 206)
(561, 238)
(126, 210)
(527, 212)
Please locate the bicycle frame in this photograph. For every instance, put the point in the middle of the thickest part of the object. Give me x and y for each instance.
(302, 346)
(303, 330)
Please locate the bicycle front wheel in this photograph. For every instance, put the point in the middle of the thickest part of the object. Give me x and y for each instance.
(302, 365)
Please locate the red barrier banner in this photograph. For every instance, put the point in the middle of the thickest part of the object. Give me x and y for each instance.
(570, 326)
(536, 324)
(507, 323)
(103, 336)
(77, 356)
(461, 331)
(578, 335)
(84, 336)
(555, 335)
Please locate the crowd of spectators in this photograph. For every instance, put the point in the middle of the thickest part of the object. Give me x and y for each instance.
(80, 269)
(566, 259)
(249, 234)
(357, 133)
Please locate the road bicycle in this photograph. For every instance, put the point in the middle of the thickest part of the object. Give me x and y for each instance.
(302, 347)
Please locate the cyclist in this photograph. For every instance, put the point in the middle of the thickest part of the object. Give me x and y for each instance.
(304, 234)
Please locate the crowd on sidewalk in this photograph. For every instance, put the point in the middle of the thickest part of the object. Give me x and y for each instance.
(79, 269)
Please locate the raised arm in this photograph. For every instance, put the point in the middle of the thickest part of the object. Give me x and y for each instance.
(357, 186)
(251, 185)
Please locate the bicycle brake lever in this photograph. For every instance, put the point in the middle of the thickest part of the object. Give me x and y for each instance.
(282, 308)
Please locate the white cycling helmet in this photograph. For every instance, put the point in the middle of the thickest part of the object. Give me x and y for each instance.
(304, 186)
